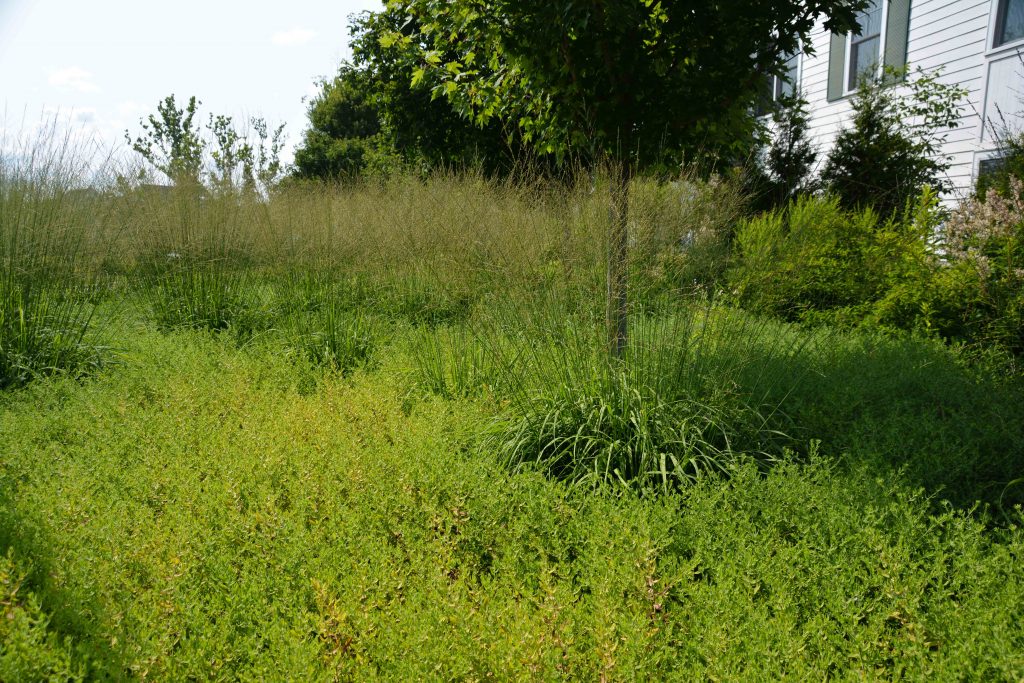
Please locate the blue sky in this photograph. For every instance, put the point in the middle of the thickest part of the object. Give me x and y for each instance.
(101, 65)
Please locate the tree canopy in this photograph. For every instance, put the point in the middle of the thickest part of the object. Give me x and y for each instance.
(632, 80)
(372, 114)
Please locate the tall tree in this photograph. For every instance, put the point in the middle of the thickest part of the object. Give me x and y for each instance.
(624, 81)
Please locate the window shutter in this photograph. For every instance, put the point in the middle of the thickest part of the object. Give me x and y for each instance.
(897, 29)
(836, 66)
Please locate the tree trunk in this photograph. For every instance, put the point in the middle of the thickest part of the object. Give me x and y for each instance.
(618, 247)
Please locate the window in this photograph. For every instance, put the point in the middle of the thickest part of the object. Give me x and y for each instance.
(786, 86)
(1009, 22)
(882, 40)
(778, 87)
(866, 49)
(990, 166)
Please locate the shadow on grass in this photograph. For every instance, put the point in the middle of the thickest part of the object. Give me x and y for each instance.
(71, 619)
(909, 406)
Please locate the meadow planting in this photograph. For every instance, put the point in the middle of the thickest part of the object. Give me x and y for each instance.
(372, 430)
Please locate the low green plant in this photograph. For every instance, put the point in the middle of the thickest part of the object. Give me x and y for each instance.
(815, 261)
(195, 515)
(29, 649)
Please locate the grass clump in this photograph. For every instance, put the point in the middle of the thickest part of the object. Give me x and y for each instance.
(695, 393)
(48, 290)
(452, 362)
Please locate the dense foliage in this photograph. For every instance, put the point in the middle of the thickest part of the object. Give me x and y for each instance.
(367, 430)
(892, 147)
(371, 118)
(197, 513)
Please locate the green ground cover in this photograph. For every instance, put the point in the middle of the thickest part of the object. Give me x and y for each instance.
(370, 432)
(199, 512)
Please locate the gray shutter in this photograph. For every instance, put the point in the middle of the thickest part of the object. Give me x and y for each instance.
(836, 66)
(897, 30)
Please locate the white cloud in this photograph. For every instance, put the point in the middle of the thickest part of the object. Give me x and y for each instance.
(295, 36)
(73, 78)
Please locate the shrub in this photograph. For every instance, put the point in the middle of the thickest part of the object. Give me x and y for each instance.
(881, 161)
(784, 170)
(983, 283)
(816, 261)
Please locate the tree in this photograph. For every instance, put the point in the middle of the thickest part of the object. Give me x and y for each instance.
(891, 149)
(624, 82)
(172, 142)
(344, 126)
(371, 114)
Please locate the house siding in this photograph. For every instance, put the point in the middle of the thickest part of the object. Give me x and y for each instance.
(953, 35)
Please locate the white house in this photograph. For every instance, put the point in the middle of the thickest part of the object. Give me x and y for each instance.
(979, 44)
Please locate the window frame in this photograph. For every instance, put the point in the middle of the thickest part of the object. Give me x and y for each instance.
(1001, 10)
(847, 61)
(777, 81)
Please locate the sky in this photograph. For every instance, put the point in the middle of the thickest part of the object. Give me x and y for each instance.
(99, 66)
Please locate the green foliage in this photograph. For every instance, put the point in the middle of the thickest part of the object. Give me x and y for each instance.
(423, 129)
(29, 650)
(816, 261)
(882, 162)
(195, 515)
(681, 235)
(331, 325)
(172, 142)
(910, 405)
(206, 509)
(344, 133)
(632, 81)
(371, 119)
(693, 395)
(453, 362)
(786, 169)
(194, 263)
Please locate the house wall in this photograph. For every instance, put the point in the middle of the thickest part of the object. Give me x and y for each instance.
(955, 35)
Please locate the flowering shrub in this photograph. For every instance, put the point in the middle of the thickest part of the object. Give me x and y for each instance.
(984, 251)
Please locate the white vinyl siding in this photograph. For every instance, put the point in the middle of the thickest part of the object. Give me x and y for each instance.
(953, 34)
